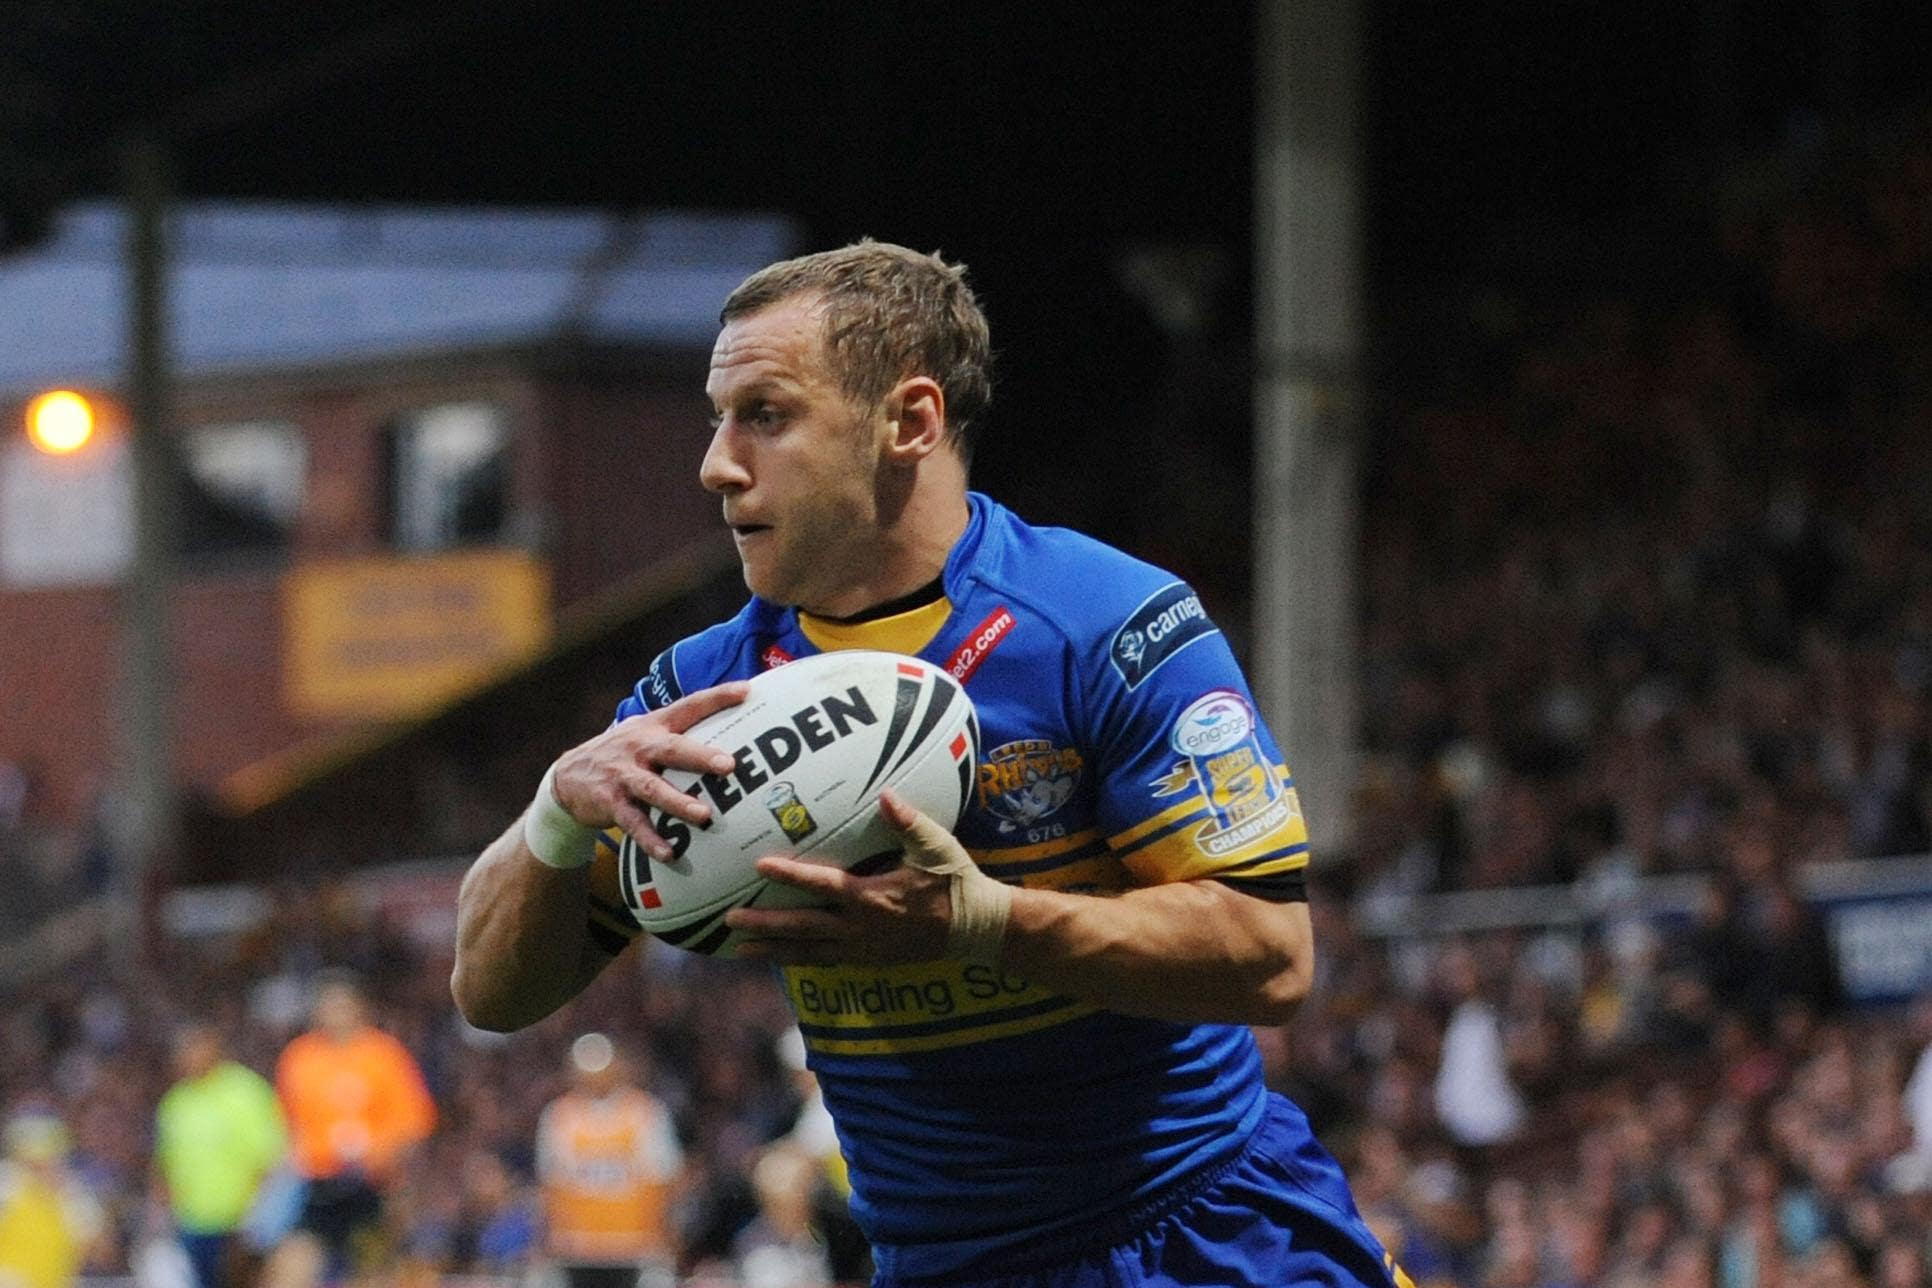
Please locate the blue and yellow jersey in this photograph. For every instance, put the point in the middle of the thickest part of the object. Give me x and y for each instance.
(980, 1112)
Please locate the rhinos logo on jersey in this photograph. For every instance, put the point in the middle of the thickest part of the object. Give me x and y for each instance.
(1220, 739)
(1023, 782)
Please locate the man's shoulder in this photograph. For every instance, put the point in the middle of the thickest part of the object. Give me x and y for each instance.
(710, 656)
(1094, 593)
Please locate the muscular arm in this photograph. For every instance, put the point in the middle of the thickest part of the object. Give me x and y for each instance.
(1193, 951)
(523, 945)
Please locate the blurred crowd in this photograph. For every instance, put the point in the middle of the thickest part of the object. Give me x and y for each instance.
(1552, 1110)
(1647, 588)
(94, 1052)
(1619, 1109)
(1648, 565)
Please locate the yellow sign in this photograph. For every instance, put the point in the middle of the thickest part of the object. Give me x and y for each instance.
(395, 637)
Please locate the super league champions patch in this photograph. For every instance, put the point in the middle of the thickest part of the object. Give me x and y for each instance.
(1166, 622)
(1218, 740)
(661, 682)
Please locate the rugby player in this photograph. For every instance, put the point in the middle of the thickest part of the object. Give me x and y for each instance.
(1032, 1035)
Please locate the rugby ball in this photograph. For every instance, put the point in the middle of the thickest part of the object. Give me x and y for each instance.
(815, 741)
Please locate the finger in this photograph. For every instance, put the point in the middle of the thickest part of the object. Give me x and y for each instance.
(693, 707)
(648, 789)
(896, 811)
(819, 878)
(919, 828)
(637, 825)
(677, 751)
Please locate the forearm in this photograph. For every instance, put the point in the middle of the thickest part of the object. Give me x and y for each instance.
(523, 945)
(1191, 951)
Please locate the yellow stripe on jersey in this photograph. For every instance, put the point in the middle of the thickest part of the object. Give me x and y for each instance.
(1172, 814)
(1065, 1011)
(906, 632)
(923, 1006)
(1103, 874)
(1193, 840)
(994, 860)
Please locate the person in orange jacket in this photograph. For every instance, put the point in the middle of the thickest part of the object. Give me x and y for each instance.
(356, 1106)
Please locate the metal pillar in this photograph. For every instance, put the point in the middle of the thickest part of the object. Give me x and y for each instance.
(1308, 403)
(145, 819)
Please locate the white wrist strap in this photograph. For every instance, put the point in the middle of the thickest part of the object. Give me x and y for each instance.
(551, 834)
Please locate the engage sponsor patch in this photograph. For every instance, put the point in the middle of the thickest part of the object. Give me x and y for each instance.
(1166, 622)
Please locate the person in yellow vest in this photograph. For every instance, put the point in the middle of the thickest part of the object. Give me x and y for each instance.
(608, 1162)
(218, 1135)
(48, 1221)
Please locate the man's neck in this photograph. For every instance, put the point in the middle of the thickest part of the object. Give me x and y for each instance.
(915, 553)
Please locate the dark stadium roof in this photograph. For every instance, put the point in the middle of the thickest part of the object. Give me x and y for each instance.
(288, 285)
(1034, 141)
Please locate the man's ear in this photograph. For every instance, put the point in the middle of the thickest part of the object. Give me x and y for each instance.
(917, 409)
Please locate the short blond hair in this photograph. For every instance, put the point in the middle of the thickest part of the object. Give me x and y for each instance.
(889, 313)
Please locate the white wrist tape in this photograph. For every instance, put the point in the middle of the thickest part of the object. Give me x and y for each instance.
(551, 834)
(981, 905)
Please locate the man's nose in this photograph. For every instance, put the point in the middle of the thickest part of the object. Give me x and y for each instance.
(721, 470)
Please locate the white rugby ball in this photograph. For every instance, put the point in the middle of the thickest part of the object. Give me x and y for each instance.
(815, 741)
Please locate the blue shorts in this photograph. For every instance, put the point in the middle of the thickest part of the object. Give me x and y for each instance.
(1278, 1216)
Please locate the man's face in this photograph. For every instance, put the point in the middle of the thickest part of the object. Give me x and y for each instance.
(795, 462)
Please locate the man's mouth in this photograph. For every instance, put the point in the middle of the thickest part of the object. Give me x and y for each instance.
(747, 529)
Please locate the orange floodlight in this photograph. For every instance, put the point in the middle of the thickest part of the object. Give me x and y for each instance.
(60, 422)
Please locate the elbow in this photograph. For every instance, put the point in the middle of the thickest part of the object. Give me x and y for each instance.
(1282, 993)
(1282, 961)
(477, 1007)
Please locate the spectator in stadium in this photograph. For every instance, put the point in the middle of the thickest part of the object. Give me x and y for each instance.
(1474, 1096)
(1130, 1116)
(1918, 1090)
(781, 1248)
(356, 1106)
(218, 1134)
(608, 1160)
(49, 1222)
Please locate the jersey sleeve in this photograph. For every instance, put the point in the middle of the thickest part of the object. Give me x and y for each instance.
(660, 687)
(1191, 784)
